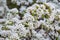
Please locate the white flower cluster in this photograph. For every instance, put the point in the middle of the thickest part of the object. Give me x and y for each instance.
(40, 21)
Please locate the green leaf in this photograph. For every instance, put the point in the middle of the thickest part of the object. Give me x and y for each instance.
(10, 23)
(56, 38)
(45, 16)
(5, 28)
(59, 24)
(26, 24)
(48, 8)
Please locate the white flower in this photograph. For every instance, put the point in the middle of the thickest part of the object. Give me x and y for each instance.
(1, 10)
(13, 1)
(5, 33)
(14, 36)
(1, 38)
(22, 8)
(30, 25)
(28, 17)
(30, 1)
(14, 10)
(41, 1)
